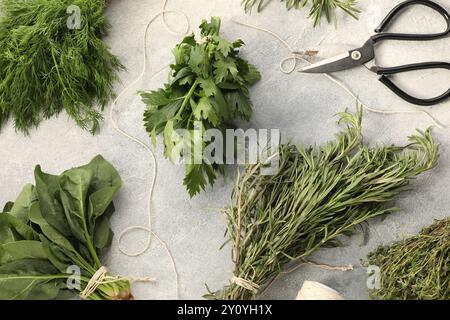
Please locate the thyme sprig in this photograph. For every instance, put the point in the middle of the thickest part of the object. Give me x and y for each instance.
(417, 268)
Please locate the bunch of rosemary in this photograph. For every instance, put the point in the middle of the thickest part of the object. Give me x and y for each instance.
(319, 8)
(47, 65)
(319, 194)
(417, 268)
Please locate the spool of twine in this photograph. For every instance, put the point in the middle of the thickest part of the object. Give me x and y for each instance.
(312, 290)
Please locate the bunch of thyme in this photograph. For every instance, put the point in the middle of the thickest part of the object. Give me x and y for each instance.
(417, 268)
(319, 194)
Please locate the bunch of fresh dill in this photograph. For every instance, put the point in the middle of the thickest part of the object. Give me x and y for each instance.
(417, 268)
(48, 65)
(319, 194)
(319, 8)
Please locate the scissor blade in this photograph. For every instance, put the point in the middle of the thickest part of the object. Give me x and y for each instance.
(334, 64)
(344, 61)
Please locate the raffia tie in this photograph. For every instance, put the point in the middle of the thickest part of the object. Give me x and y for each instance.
(246, 284)
(101, 277)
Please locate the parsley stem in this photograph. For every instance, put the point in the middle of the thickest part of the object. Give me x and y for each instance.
(188, 97)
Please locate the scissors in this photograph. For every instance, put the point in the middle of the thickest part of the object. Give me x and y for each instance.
(366, 54)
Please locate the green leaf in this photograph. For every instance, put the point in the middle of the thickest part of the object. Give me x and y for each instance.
(155, 98)
(48, 231)
(173, 142)
(155, 120)
(208, 86)
(23, 249)
(205, 110)
(223, 45)
(240, 103)
(210, 28)
(103, 174)
(103, 234)
(30, 279)
(22, 204)
(182, 77)
(8, 206)
(199, 62)
(47, 189)
(13, 229)
(198, 176)
(74, 185)
(223, 68)
(253, 75)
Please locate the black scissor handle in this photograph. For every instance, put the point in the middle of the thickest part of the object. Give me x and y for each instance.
(385, 72)
(411, 37)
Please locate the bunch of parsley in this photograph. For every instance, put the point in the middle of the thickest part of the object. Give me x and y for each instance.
(208, 87)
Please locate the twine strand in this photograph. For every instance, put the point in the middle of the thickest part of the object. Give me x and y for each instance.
(148, 227)
(101, 277)
(246, 284)
(300, 55)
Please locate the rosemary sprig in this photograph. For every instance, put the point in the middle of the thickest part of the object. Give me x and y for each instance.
(417, 268)
(319, 8)
(319, 194)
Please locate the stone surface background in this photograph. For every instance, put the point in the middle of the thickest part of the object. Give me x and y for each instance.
(302, 106)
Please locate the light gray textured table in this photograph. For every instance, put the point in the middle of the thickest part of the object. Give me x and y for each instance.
(302, 106)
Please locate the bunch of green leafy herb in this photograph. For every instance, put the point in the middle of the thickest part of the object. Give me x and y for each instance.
(319, 8)
(319, 194)
(59, 223)
(47, 67)
(417, 268)
(208, 88)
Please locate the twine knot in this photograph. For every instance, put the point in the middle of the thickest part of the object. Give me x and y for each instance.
(101, 277)
(246, 284)
(93, 283)
(295, 56)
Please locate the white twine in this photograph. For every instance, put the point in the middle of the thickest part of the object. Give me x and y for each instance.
(246, 284)
(94, 282)
(100, 277)
(299, 55)
(148, 227)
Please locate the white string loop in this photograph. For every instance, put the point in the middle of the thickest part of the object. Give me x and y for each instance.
(296, 56)
(148, 227)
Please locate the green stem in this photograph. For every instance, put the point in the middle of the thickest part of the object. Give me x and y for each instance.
(89, 244)
(188, 97)
(87, 237)
(59, 74)
(52, 277)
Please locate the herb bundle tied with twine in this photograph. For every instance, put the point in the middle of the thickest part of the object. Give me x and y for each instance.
(318, 195)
